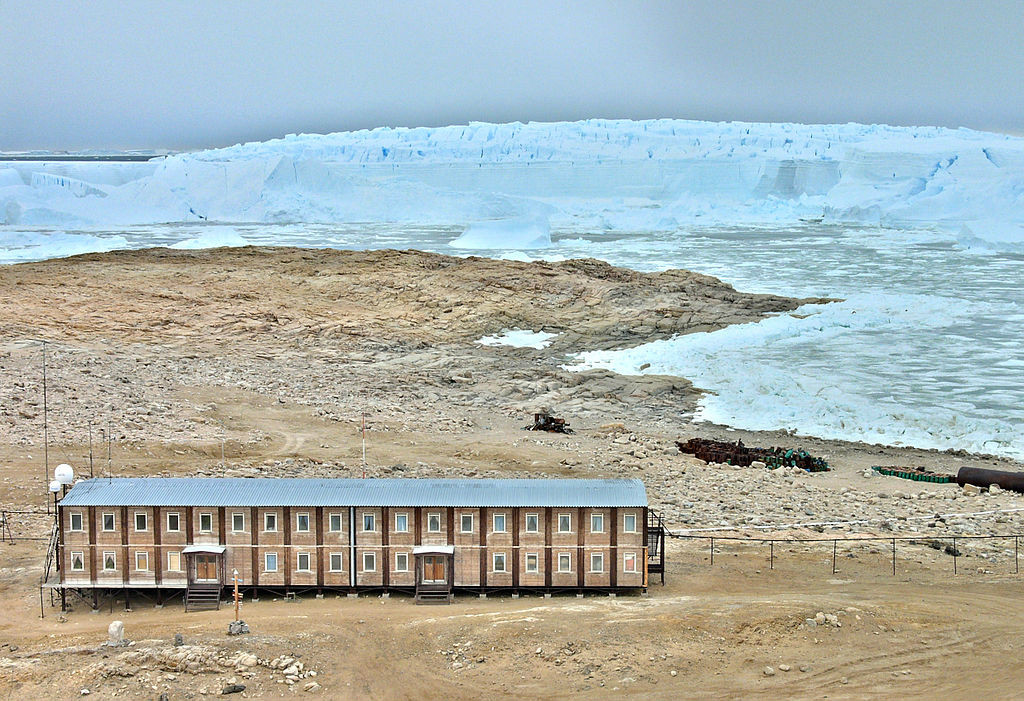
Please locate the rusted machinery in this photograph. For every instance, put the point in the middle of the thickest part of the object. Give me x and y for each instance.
(739, 454)
(917, 474)
(543, 421)
(982, 477)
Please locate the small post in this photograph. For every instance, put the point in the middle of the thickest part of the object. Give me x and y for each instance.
(771, 554)
(954, 554)
(1016, 555)
(893, 557)
(834, 557)
(235, 578)
(712, 550)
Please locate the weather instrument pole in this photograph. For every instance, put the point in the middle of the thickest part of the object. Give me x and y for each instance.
(235, 578)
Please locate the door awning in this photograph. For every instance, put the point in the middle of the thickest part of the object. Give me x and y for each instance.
(212, 549)
(433, 550)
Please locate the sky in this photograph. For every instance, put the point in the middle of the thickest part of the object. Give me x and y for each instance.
(181, 75)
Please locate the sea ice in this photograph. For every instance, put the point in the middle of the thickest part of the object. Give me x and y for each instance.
(508, 233)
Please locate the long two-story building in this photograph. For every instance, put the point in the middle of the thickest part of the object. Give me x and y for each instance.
(428, 536)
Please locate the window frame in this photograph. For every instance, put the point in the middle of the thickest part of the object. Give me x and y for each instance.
(330, 522)
(536, 523)
(113, 522)
(599, 516)
(568, 558)
(625, 520)
(404, 516)
(145, 555)
(208, 515)
(266, 561)
(145, 521)
(626, 557)
(433, 517)
(177, 553)
(234, 515)
(494, 523)
(536, 563)
(373, 558)
(298, 522)
(298, 562)
(81, 561)
(112, 555)
(269, 516)
(71, 521)
(373, 522)
(177, 522)
(568, 523)
(400, 568)
(462, 523)
(504, 562)
(341, 562)
(597, 556)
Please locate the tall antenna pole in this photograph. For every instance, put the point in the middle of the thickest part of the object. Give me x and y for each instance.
(364, 445)
(90, 450)
(46, 436)
(109, 438)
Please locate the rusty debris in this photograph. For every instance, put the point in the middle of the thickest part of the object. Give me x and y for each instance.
(543, 421)
(738, 454)
(985, 478)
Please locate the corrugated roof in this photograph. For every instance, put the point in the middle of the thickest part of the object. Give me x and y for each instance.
(240, 491)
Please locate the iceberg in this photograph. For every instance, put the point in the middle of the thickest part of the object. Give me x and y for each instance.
(505, 234)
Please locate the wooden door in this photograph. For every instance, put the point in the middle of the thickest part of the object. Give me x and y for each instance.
(206, 568)
(433, 568)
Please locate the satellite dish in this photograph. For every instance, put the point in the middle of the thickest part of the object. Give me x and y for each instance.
(64, 473)
(54, 486)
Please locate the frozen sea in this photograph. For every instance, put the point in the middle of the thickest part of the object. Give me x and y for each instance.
(924, 350)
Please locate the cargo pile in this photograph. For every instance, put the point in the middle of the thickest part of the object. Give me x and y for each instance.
(738, 454)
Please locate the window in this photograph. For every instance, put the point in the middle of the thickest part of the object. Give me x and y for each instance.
(433, 523)
(270, 562)
(597, 523)
(499, 562)
(369, 522)
(564, 562)
(174, 561)
(108, 522)
(141, 521)
(337, 562)
(629, 560)
(531, 523)
(237, 522)
(302, 562)
(270, 523)
(401, 562)
(141, 560)
(205, 523)
(109, 560)
(401, 523)
(466, 523)
(173, 521)
(564, 523)
(335, 523)
(597, 562)
(77, 562)
(76, 522)
(629, 523)
(499, 523)
(369, 562)
(531, 562)
(302, 523)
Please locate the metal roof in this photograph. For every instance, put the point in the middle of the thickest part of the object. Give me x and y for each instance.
(267, 492)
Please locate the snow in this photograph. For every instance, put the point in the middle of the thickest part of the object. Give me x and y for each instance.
(518, 338)
(505, 234)
(212, 239)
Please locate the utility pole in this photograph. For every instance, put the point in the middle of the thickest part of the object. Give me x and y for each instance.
(46, 436)
(364, 445)
(90, 450)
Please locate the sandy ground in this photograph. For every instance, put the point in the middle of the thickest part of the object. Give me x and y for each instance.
(272, 357)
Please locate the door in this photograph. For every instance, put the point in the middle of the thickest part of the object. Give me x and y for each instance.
(206, 568)
(434, 569)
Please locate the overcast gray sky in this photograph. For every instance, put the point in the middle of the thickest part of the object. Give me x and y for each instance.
(137, 74)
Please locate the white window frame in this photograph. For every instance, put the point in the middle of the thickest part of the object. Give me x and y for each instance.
(330, 522)
(298, 562)
(298, 522)
(113, 557)
(400, 567)
(626, 557)
(568, 523)
(267, 518)
(504, 562)
(536, 523)
(433, 517)
(536, 563)
(600, 518)
(145, 556)
(209, 515)
(174, 567)
(234, 515)
(145, 521)
(373, 522)
(597, 557)
(494, 523)
(113, 522)
(373, 562)
(567, 557)
(341, 562)
(462, 523)
(266, 562)
(402, 527)
(625, 520)
(81, 559)
(71, 521)
(177, 525)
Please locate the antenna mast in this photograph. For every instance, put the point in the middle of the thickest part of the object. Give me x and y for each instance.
(46, 436)
(90, 450)
(364, 445)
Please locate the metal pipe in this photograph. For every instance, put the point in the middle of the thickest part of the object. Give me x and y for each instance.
(982, 477)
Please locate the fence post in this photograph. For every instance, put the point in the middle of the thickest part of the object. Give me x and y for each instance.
(712, 550)
(893, 557)
(834, 556)
(771, 554)
(954, 554)
(1016, 555)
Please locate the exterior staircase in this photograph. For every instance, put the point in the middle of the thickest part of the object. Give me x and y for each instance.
(202, 597)
(433, 594)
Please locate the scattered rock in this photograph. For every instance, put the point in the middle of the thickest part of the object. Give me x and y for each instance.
(232, 689)
(769, 671)
(115, 634)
